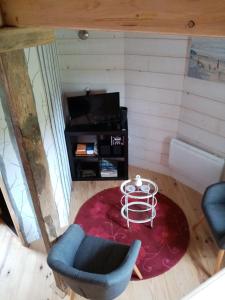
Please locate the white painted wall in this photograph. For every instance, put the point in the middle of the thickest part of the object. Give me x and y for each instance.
(43, 106)
(96, 63)
(154, 73)
(147, 70)
(202, 118)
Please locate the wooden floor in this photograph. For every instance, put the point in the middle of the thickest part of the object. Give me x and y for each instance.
(24, 273)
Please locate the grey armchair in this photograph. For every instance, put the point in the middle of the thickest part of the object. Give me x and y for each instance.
(93, 267)
(213, 206)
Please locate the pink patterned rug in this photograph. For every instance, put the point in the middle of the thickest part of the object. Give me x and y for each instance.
(162, 246)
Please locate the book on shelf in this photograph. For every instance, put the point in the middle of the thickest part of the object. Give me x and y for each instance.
(88, 149)
(88, 173)
(108, 169)
(109, 174)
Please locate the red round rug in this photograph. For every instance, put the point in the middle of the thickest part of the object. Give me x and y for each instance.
(162, 246)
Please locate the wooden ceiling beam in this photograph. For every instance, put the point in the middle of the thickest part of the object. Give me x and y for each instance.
(199, 17)
(19, 38)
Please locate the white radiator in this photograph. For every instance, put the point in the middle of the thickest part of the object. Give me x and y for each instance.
(194, 167)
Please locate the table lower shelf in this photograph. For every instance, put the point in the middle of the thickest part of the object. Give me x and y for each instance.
(149, 210)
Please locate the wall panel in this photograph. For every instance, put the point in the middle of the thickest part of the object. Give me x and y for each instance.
(202, 116)
(147, 70)
(154, 73)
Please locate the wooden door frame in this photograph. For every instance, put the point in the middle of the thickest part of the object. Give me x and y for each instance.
(12, 212)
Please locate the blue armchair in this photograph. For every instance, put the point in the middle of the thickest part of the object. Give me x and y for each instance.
(213, 206)
(92, 267)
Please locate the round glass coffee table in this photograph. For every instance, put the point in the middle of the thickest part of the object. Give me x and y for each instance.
(139, 196)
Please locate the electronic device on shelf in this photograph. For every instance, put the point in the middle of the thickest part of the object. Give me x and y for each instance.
(94, 110)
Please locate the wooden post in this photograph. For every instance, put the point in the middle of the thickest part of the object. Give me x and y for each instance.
(1, 19)
(16, 89)
(219, 260)
(22, 108)
(137, 272)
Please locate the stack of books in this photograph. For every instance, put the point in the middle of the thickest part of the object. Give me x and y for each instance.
(89, 149)
(108, 169)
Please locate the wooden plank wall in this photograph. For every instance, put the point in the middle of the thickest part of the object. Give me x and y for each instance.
(154, 72)
(96, 63)
(46, 89)
(49, 67)
(146, 69)
(202, 119)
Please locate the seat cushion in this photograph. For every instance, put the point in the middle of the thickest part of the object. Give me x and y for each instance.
(96, 255)
(215, 215)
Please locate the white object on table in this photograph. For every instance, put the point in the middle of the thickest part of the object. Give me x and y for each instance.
(143, 192)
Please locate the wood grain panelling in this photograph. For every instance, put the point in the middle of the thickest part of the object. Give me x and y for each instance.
(147, 70)
(90, 62)
(202, 117)
(96, 63)
(93, 76)
(50, 72)
(211, 107)
(151, 121)
(166, 46)
(156, 64)
(93, 46)
(154, 73)
(202, 17)
(154, 108)
(157, 80)
(170, 97)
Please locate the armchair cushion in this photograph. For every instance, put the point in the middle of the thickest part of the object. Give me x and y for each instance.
(96, 255)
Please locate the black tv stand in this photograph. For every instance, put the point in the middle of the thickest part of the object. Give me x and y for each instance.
(111, 160)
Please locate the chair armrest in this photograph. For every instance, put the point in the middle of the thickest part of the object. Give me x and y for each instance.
(66, 247)
(214, 194)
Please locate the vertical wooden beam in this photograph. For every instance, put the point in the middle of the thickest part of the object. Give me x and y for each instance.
(16, 89)
(219, 260)
(1, 18)
(18, 92)
(14, 76)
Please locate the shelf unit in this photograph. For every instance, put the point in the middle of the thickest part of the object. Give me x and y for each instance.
(89, 167)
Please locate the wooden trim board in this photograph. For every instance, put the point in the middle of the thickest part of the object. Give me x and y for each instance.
(200, 17)
(19, 38)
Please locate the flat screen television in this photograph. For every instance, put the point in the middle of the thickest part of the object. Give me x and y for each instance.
(94, 110)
